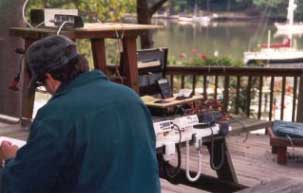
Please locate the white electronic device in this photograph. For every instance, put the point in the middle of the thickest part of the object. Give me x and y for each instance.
(186, 122)
(47, 16)
(184, 129)
(163, 127)
(184, 93)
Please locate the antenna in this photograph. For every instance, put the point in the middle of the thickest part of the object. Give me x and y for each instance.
(292, 6)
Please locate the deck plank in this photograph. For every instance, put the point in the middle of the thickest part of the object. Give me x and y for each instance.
(282, 185)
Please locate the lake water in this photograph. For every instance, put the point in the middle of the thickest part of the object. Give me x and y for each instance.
(229, 39)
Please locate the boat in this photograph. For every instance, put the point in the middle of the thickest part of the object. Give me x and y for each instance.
(290, 27)
(203, 20)
(277, 53)
(273, 56)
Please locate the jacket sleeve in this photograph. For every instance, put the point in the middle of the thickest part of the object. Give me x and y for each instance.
(35, 168)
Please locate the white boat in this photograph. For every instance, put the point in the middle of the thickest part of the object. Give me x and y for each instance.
(290, 27)
(269, 53)
(199, 19)
(273, 55)
(203, 20)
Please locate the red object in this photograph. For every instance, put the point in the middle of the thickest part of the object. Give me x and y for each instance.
(182, 55)
(194, 51)
(202, 56)
(284, 44)
(14, 85)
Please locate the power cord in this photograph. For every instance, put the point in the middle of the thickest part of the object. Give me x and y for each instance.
(23, 14)
(188, 176)
(167, 166)
(61, 27)
(212, 163)
(119, 49)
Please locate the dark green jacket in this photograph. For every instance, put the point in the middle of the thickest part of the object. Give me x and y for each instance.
(93, 136)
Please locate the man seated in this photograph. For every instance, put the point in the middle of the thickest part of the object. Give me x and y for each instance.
(93, 136)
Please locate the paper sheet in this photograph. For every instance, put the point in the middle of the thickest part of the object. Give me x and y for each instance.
(14, 141)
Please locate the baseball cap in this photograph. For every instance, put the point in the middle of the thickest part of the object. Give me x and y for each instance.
(47, 54)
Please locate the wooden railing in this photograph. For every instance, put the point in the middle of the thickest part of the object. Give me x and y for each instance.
(254, 92)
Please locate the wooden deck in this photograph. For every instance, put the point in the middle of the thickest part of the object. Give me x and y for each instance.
(253, 161)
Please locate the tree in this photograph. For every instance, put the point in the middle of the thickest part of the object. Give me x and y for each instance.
(109, 10)
(11, 14)
(145, 11)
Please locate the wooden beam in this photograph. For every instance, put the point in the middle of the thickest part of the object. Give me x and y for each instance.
(130, 62)
(99, 54)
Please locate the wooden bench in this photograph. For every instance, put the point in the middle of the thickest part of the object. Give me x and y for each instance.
(282, 185)
(279, 145)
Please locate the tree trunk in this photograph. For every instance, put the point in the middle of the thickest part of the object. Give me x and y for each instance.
(10, 16)
(144, 16)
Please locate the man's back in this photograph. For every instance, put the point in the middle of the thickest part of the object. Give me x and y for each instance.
(105, 141)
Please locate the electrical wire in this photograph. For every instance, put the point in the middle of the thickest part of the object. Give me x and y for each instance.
(61, 27)
(21, 72)
(243, 127)
(23, 14)
(212, 163)
(118, 54)
(188, 175)
(39, 25)
(291, 143)
(187, 171)
(176, 170)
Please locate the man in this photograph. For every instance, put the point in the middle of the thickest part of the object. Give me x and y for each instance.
(93, 136)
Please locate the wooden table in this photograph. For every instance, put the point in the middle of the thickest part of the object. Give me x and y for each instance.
(96, 33)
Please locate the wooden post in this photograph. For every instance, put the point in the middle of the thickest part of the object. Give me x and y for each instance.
(300, 101)
(130, 67)
(282, 155)
(28, 96)
(226, 94)
(99, 55)
(248, 97)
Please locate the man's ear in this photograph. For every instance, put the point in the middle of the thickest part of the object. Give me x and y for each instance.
(49, 76)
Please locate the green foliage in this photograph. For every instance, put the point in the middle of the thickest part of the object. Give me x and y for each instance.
(199, 59)
(109, 10)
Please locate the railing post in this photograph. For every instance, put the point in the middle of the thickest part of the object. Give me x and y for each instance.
(294, 101)
(300, 101)
(248, 97)
(226, 94)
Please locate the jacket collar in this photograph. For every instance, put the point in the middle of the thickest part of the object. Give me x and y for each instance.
(80, 80)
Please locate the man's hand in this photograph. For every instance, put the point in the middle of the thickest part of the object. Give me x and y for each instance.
(7, 150)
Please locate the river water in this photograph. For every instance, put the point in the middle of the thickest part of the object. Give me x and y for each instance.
(228, 39)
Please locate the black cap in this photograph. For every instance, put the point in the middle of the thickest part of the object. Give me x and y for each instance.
(47, 54)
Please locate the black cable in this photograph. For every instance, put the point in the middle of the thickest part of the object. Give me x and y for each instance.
(167, 167)
(212, 163)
